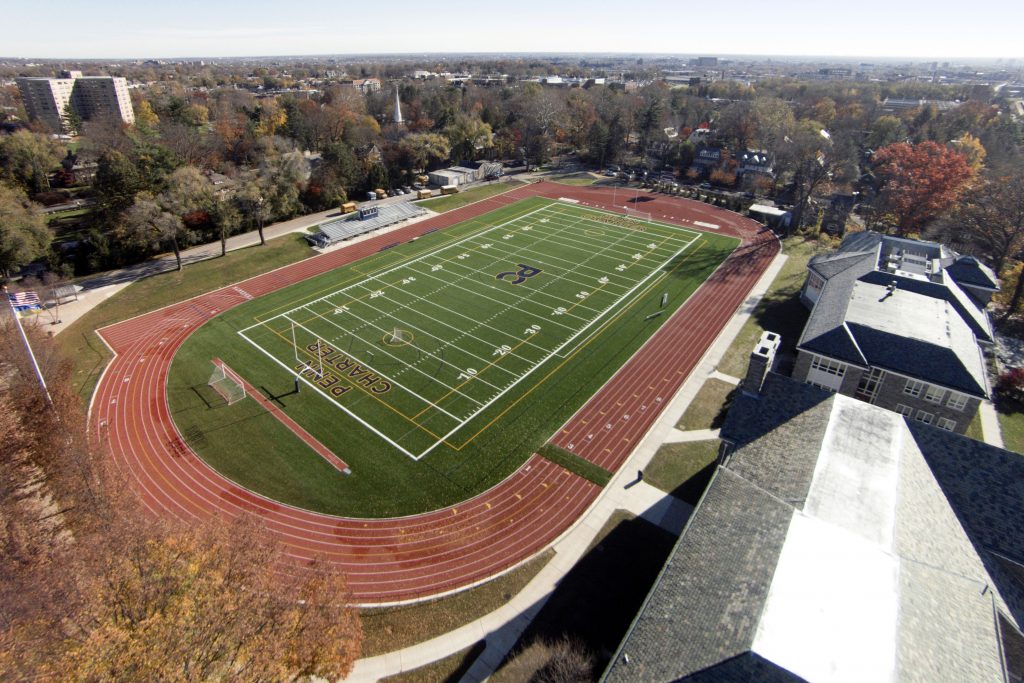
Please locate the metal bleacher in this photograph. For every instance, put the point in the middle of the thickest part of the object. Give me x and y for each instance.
(350, 225)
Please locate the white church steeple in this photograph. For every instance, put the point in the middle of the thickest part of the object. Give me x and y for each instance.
(398, 108)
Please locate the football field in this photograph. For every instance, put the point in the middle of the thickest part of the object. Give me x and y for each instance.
(424, 352)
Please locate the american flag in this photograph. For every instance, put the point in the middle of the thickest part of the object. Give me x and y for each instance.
(25, 300)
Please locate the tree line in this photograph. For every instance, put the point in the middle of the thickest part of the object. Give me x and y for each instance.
(156, 186)
(97, 587)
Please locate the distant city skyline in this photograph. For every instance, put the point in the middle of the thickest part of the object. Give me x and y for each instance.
(114, 29)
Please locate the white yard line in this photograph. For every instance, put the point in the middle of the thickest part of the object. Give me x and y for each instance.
(542, 235)
(377, 372)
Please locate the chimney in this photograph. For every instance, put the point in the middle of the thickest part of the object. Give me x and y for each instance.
(761, 359)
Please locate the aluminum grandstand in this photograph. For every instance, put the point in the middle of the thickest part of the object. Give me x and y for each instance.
(351, 225)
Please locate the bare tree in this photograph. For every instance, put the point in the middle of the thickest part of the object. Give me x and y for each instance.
(147, 224)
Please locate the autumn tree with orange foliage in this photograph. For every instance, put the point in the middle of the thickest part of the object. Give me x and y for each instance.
(97, 588)
(919, 182)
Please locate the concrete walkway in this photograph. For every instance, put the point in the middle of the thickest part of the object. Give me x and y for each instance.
(97, 288)
(502, 628)
(679, 436)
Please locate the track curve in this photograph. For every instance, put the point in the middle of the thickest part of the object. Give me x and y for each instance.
(395, 559)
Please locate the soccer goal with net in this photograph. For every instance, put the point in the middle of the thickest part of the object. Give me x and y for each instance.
(226, 383)
(644, 216)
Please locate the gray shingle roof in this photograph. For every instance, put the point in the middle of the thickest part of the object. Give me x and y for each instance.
(705, 606)
(746, 421)
(860, 241)
(903, 518)
(780, 461)
(969, 271)
(830, 265)
(858, 321)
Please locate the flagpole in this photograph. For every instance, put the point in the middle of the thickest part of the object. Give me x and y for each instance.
(28, 347)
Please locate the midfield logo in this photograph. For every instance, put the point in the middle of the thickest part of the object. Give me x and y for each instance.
(518, 277)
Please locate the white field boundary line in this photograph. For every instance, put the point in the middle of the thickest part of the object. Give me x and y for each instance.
(654, 272)
(425, 300)
(514, 251)
(675, 228)
(291, 371)
(377, 372)
(371, 324)
(528, 361)
(638, 235)
(554, 353)
(400, 265)
(625, 238)
(525, 298)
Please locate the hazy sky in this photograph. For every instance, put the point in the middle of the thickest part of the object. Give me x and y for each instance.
(214, 28)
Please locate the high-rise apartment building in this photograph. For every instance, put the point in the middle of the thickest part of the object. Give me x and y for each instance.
(93, 98)
(46, 100)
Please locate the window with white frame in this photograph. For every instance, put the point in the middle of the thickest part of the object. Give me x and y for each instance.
(956, 400)
(934, 394)
(906, 411)
(923, 416)
(829, 366)
(946, 423)
(913, 387)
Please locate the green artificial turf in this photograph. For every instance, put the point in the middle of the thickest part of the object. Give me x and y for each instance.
(484, 372)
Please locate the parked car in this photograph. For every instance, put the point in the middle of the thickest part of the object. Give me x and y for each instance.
(406, 189)
(705, 186)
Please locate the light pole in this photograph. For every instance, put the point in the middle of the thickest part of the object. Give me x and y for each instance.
(259, 217)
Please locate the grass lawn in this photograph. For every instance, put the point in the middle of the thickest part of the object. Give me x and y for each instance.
(90, 355)
(450, 409)
(1011, 423)
(707, 410)
(683, 469)
(392, 628)
(70, 213)
(475, 194)
(974, 429)
(779, 311)
(451, 669)
(597, 600)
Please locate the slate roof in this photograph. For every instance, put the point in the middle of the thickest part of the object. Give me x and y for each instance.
(968, 270)
(830, 265)
(923, 329)
(880, 566)
(985, 486)
(712, 589)
(779, 461)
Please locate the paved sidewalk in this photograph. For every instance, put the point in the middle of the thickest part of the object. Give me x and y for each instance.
(502, 628)
(99, 287)
(679, 436)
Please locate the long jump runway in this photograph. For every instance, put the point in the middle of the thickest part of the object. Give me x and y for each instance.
(388, 560)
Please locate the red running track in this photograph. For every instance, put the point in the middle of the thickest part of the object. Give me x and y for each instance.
(404, 558)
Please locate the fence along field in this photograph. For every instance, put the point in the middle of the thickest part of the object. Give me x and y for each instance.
(413, 342)
(417, 352)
